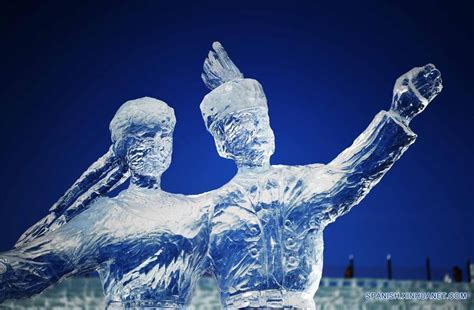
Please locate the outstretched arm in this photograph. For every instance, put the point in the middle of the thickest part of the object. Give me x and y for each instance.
(361, 166)
(30, 269)
(34, 266)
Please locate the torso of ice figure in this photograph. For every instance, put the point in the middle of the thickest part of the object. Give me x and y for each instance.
(266, 244)
(151, 249)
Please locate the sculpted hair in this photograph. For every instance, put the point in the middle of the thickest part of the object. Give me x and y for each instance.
(109, 171)
(101, 177)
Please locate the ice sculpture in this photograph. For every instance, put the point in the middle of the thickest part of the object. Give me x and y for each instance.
(271, 218)
(148, 246)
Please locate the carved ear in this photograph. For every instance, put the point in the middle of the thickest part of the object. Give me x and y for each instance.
(218, 67)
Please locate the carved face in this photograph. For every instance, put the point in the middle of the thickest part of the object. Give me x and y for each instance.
(142, 136)
(245, 137)
(147, 150)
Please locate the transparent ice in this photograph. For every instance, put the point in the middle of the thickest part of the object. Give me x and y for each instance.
(272, 217)
(261, 234)
(148, 246)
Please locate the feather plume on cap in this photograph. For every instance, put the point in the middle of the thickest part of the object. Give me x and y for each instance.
(231, 92)
(219, 68)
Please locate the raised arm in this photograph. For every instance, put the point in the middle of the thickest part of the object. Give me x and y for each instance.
(34, 266)
(361, 166)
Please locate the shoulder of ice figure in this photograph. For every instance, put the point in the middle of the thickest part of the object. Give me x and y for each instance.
(98, 212)
(143, 205)
(157, 212)
(158, 199)
(86, 225)
(193, 205)
(317, 178)
(102, 205)
(317, 167)
(292, 169)
(205, 202)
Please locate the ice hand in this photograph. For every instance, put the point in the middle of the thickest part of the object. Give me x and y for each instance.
(414, 90)
(427, 81)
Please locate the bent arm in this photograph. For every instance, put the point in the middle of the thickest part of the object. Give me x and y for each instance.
(365, 162)
(331, 190)
(29, 270)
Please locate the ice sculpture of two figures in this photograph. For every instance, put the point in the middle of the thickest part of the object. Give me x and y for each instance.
(260, 234)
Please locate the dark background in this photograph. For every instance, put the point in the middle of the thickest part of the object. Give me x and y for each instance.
(327, 69)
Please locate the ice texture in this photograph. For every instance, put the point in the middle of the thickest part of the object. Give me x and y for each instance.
(79, 196)
(261, 234)
(219, 68)
(111, 170)
(272, 217)
(414, 90)
(148, 246)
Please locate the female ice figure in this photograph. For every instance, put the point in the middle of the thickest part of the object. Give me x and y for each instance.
(147, 245)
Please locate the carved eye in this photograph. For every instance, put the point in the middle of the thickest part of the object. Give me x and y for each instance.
(148, 135)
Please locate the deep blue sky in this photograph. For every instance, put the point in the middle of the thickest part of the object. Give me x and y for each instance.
(326, 69)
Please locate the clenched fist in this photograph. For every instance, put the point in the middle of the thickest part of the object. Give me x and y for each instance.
(414, 90)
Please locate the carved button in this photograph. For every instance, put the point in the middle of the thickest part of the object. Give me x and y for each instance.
(253, 230)
(290, 242)
(254, 252)
(313, 224)
(292, 262)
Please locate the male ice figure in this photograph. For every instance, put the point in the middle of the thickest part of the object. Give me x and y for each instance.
(266, 246)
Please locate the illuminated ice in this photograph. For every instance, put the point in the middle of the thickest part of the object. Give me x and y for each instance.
(262, 233)
(148, 246)
(271, 218)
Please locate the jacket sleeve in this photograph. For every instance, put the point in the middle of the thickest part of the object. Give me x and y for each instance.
(38, 264)
(349, 177)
